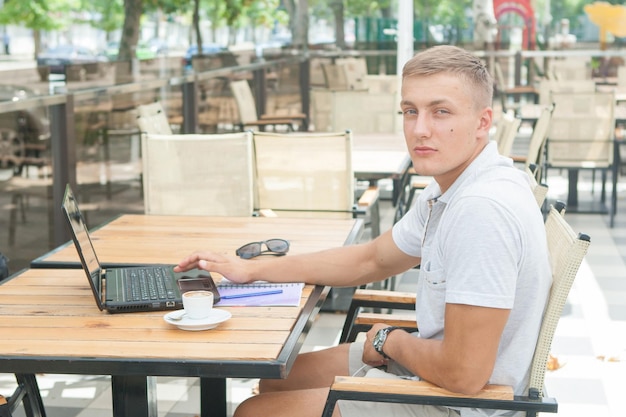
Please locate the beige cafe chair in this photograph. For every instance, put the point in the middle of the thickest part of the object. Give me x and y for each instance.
(534, 155)
(151, 118)
(567, 251)
(358, 319)
(198, 174)
(248, 114)
(355, 70)
(310, 175)
(581, 137)
(509, 127)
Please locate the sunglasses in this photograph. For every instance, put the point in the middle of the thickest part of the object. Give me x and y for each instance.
(278, 247)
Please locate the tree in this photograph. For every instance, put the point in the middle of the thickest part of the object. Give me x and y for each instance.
(38, 15)
(109, 13)
(340, 37)
(298, 11)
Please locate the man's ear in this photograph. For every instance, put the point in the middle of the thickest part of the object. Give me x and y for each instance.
(484, 122)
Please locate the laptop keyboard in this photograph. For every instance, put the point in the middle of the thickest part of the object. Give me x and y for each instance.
(149, 284)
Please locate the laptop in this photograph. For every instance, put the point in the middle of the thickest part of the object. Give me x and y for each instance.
(133, 288)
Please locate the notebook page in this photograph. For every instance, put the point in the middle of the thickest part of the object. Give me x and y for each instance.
(289, 296)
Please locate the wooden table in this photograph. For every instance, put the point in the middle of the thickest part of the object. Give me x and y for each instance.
(133, 239)
(52, 324)
(377, 156)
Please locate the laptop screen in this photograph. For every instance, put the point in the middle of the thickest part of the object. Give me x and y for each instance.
(81, 238)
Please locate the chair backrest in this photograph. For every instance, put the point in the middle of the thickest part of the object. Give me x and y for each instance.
(501, 83)
(335, 76)
(567, 250)
(151, 118)
(570, 69)
(355, 70)
(539, 190)
(549, 86)
(509, 127)
(246, 105)
(581, 130)
(538, 139)
(305, 174)
(501, 123)
(621, 78)
(206, 174)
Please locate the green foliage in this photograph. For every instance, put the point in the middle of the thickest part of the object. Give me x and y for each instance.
(567, 9)
(364, 8)
(109, 13)
(264, 13)
(37, 14)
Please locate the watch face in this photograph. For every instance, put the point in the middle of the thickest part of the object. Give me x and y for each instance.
(379, 339)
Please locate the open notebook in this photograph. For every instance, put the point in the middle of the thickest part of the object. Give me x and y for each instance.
(286, 294)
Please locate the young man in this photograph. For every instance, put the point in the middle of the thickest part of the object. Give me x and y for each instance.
(480, 240)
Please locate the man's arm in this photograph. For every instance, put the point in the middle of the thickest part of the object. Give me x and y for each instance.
(345, 266)
(462, 361)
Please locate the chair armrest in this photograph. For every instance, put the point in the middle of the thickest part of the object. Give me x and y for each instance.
(409, 387)
(376, 299)
(267, 213)
(270, 122)
(295, 116)
(364, 321)
(384, 298)
(406, 321)
(369, 197)
(422, 392)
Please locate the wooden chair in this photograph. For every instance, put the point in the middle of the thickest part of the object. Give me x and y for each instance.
(151, 118)
(359, 320)
(310, 175)
(567, 251)
(198, 174)
(581, 137)
(249, 116)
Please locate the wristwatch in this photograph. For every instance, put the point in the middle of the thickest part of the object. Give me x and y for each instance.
(381, 337)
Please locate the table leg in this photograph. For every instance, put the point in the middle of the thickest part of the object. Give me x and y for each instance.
(213, 401)
(134, 395)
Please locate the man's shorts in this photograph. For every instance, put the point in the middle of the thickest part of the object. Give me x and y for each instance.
(372, 409)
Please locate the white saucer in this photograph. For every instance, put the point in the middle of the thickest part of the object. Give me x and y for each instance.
(216, 317)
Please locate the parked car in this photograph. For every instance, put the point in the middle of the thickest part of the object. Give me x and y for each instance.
(75, 62)
(158, 46)
(142, 51)
(24, 133)
(208, 49)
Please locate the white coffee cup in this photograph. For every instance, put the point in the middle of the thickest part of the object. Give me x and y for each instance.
(198, 304)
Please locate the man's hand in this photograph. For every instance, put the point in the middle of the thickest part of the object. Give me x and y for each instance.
(370, 356)
(230, 267)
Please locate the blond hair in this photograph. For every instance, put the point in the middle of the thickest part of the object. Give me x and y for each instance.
(455, 61)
